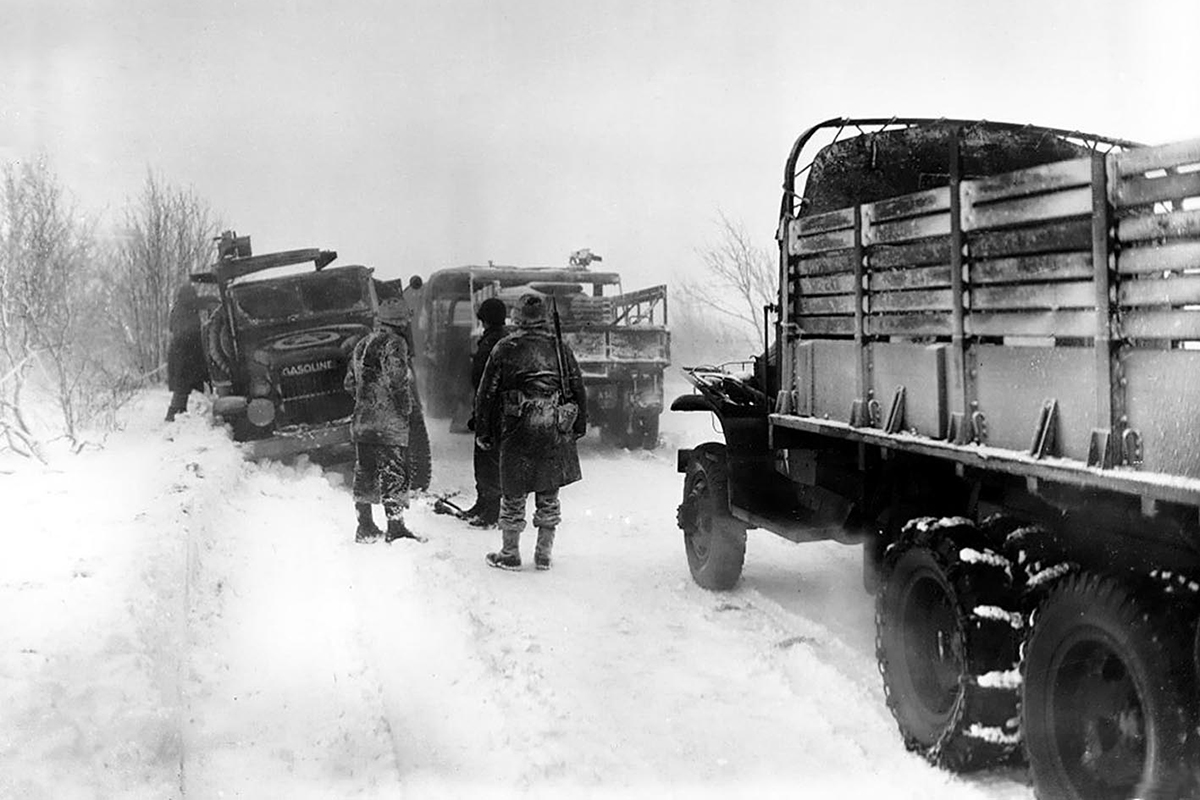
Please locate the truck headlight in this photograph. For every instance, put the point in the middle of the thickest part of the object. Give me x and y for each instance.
(260, 412)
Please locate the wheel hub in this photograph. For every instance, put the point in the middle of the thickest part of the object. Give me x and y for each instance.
(1099, 719)
(934, 652)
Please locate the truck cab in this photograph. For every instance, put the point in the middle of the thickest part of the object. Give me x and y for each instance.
(278, 344)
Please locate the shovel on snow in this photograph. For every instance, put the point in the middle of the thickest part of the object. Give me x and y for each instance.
(443, 505)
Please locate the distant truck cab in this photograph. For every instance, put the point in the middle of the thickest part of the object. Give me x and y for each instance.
(620, 340)
(278, 344)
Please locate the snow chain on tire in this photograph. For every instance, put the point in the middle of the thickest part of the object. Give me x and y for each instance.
(980, 726)
(1037, 564)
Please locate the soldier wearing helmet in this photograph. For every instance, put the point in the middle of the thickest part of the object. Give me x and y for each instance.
(380, 380)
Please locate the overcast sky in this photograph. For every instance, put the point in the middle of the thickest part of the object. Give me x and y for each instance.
(416, 135)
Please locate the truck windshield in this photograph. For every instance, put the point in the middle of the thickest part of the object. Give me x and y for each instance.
(300, 296)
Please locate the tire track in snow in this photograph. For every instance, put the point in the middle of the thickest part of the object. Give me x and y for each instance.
(281, 696)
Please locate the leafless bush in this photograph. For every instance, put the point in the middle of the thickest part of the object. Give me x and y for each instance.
(168, 233)
(85, 322)
(48, 301)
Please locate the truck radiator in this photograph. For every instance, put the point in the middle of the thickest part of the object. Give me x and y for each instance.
(315, 397)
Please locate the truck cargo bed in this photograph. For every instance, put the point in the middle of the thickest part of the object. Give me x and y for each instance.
(1044, 322)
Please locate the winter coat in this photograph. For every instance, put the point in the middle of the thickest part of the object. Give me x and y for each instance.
(378, 377)
(514, 409)
(487, 340)
(186, 368)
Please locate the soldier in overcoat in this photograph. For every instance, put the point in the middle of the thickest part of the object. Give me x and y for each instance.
(380, 380)
(531, 405)
(187, 370)
(486, 510)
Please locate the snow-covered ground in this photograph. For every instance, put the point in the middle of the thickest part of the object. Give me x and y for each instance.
(177, 622)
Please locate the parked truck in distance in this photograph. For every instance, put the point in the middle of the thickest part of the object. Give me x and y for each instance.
(986, 371)
(620, 340)
(278, 344)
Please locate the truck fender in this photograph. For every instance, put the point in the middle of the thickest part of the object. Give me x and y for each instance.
(692, 402)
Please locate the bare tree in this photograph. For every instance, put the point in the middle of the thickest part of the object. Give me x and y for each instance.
(168, 234)
(47, 288)
(738, 278)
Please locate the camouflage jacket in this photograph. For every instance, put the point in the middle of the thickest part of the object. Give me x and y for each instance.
(378, 378)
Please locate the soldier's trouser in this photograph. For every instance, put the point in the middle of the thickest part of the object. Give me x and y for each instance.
(547, 513)
(487, 480)
(381, 476)
(178, 405)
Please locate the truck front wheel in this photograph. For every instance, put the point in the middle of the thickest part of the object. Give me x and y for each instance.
(715, 540)
(1104, 695)
(643, 432)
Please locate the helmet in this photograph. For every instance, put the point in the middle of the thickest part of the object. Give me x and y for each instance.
(531, 309)
(394, 311)
(186, 295)
(492, 311)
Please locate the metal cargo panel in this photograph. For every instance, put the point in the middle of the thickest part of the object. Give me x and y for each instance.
(1012, 384)
(921, 370)
(1161, 400)
(835, 370)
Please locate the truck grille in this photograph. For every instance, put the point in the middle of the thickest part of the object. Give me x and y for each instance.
(316, 384)
(315, 397)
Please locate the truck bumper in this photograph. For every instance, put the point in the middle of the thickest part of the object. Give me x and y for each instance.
(290, 443)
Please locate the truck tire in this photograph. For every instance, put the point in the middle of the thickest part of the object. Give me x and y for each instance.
(1106, 687)
(947, 642)
(641, 432)
(714, 540)
(614, 428)
(218, 347)
(1039, 561)
(420, 459)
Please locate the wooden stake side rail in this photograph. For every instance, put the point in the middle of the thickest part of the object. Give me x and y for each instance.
(1075, 283)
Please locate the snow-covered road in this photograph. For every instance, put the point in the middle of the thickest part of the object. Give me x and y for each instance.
(177, 622)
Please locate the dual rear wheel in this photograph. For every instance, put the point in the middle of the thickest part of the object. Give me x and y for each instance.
(985, 659)
(1097, 690)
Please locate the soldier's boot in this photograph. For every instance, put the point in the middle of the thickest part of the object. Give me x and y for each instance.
(487, 515)
(509, 556)
(545, 543)
(396, 529)
(367, 531)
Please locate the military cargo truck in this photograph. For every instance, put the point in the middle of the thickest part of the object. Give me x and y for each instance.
(279, 342)
(620, 339)
(986, 373)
